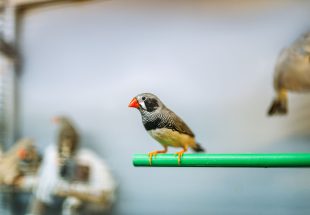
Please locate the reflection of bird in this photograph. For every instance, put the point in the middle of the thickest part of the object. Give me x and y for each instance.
(292, 73)
(164, 125)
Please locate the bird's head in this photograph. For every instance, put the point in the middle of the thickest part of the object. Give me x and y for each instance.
(61, 120)
(68, 137)
(146, 102)
(27, 153)
(26, 149)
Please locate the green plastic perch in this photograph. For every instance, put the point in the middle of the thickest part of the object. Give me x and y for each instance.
(225, 160)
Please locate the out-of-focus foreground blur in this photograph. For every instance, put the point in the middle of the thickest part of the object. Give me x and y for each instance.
(212, 62)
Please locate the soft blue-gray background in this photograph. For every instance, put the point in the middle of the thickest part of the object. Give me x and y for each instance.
(210, 63)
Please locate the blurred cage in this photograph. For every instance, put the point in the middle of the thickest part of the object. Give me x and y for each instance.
(7, 97)
(7, 92)
(7, 85)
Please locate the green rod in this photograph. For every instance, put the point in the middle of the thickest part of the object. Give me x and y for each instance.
(225, 160)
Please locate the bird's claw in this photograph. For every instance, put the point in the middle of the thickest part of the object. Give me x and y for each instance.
(151, 155)
(180, 154)
(154, 153)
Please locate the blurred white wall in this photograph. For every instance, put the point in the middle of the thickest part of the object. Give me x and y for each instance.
(212, 64)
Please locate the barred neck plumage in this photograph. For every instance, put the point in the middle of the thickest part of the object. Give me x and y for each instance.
(149, 116)
(156, 119)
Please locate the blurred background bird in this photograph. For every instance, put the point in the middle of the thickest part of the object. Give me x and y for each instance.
(20, 160)
(164, 125)
(292, 73)
(68, 136)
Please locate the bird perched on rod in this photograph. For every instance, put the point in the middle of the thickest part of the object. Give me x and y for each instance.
(292, 73)
(164, 125)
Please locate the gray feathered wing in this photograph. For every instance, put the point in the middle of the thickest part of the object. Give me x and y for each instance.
(176, 123)
(293, 66)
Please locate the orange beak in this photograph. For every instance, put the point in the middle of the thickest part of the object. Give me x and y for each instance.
(55, 120)
(134, 103)
(22, 153)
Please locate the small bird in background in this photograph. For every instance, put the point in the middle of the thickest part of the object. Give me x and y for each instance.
(292, 73)
(164, 125)
(10, 168)
(67, 133)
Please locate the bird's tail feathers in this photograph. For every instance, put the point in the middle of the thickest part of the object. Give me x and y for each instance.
(198, 148)
(278, 106)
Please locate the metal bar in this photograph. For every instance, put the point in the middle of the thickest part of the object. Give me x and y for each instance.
(225, 160)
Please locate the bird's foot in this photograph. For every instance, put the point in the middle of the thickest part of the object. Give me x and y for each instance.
(180, 154)
(154, 153)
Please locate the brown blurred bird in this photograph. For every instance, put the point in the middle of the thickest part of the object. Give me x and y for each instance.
(164, 125)
(292, 73)
(10, 168)
(67, 136)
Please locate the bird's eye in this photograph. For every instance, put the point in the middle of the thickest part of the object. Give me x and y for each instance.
(143, 98)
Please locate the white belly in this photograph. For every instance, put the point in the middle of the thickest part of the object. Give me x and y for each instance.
(168, 137)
